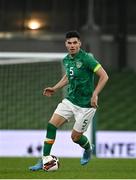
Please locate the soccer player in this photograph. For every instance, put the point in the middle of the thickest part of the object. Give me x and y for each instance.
(81, 100)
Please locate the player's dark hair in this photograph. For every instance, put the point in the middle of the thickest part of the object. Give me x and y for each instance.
(72, 34)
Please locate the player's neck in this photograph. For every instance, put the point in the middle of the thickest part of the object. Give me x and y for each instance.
(73, 55)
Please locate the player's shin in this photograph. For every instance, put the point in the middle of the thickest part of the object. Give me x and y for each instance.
(50, 138)
(83, 142)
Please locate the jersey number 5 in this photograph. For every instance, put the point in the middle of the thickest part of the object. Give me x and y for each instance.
(71, 71)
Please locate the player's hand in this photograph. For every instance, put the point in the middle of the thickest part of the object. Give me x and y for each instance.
(48, 91)
(94, 101)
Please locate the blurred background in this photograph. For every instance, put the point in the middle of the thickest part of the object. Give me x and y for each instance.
(108, 30)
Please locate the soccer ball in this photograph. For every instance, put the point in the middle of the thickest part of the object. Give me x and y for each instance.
(50, 163)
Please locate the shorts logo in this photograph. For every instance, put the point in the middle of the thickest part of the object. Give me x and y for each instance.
(79, 64)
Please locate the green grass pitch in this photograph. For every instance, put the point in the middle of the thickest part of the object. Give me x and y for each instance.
(70, 168)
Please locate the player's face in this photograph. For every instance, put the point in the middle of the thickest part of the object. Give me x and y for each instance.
(73, 45)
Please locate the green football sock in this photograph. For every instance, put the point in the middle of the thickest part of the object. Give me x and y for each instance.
(50, 138)
(83, 142)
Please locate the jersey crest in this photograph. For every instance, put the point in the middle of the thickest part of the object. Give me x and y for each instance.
(79, 64)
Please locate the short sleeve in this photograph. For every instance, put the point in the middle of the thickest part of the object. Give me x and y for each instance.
(92, 63)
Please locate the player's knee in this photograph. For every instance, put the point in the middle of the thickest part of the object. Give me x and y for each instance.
(75, 138)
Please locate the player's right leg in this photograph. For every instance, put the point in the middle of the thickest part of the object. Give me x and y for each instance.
(55, 122)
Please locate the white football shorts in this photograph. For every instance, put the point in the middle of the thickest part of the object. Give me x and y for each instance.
(83, 116)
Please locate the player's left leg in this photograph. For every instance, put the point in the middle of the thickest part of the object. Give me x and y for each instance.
(83, 118)
(87, 155)
(83, 141)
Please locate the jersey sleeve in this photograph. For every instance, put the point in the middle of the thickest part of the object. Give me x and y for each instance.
(64, 62)
(92, 63)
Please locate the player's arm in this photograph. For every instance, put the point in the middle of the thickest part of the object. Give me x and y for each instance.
(49, 91)
(103, 78)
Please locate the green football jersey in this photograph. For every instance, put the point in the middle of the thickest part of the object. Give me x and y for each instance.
(80, 72)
